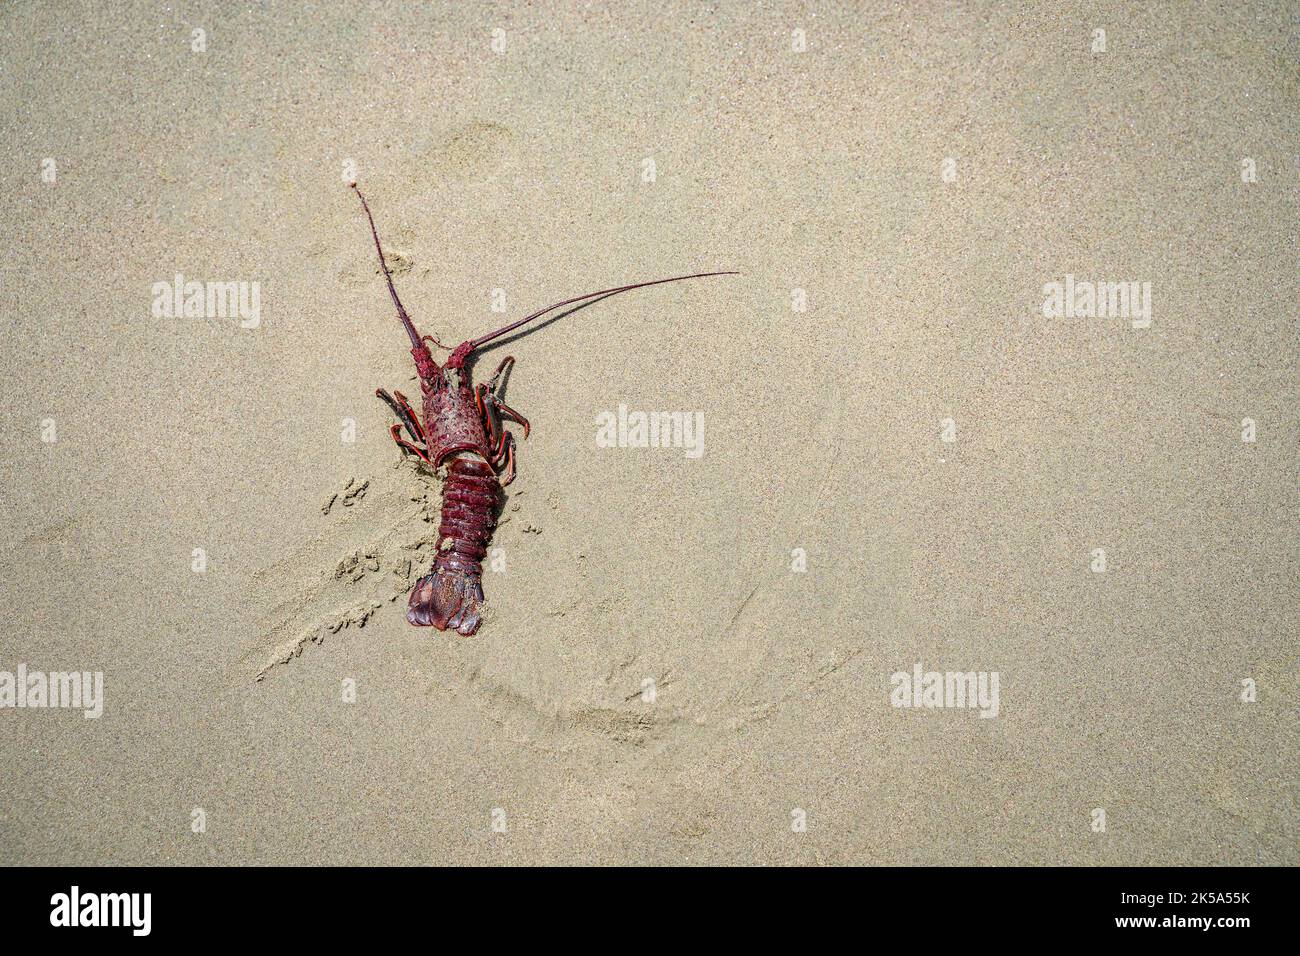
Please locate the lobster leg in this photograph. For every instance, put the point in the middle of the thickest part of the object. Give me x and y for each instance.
(500, 443)
(414, 419)
(494, 410)
(494, 386)
(402, 443)
(492, 430)
(510, 415)
(491, 421)
(498, 454)
(507, 454)
(506, 364)
(402, 409)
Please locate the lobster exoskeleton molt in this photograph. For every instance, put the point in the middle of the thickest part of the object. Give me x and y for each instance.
(462, 428)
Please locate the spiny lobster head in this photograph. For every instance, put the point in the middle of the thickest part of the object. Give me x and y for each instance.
(432, 375)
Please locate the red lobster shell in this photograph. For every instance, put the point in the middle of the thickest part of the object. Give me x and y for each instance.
(462, 429)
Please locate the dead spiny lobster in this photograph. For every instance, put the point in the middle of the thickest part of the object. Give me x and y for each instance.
(463, 428)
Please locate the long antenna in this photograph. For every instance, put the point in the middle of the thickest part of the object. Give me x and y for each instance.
(590, 295)
(388, 276)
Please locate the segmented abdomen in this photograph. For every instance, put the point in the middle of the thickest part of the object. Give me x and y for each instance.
(451, 595)
(470, 497)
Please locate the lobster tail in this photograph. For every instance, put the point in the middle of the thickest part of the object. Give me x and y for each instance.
(450, 597)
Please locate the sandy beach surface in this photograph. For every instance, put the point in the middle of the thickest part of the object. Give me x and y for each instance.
(909, 462)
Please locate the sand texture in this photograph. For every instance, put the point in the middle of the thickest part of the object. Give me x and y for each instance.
(685, 659)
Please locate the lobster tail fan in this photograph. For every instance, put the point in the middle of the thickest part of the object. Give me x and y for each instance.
(448, 599)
